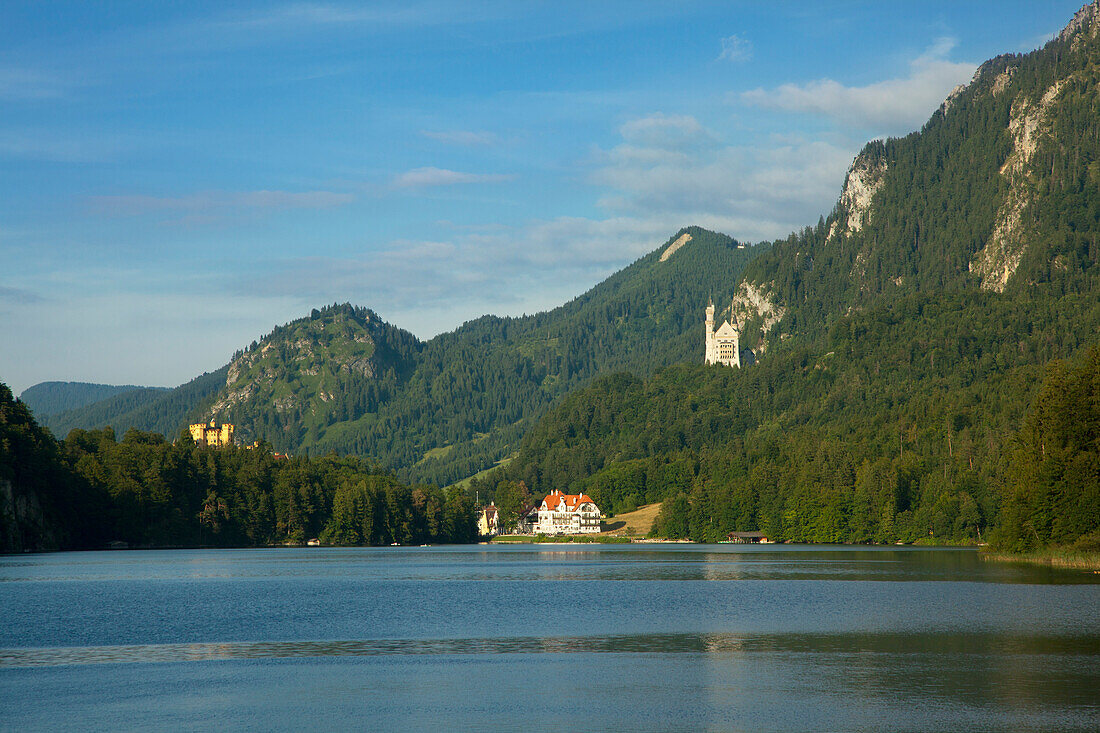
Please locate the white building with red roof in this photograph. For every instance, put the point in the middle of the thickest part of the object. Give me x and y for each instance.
(567, 514)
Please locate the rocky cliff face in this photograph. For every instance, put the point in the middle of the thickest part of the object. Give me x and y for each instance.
(1085, 24)
(755, 306)
(998, 260)
(864, 179)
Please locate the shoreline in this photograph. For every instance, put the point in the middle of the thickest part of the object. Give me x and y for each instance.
(1055, 558)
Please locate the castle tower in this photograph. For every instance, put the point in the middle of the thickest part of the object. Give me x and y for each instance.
(709, 354)
(724, 345)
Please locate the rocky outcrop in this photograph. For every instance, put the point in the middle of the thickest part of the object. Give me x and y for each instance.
(342, 344)
(1000, 83)
(1086, 20)
(996, 262)
(949, 102)
(865, 178)
(753, 302)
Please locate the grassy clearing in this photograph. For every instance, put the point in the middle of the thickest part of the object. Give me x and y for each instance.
(462, 484)
(436, 453)
(637, 523)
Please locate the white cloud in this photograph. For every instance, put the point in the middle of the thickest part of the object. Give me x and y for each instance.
(751, 192)
(891, 106)
(425, 177)
(467, 138)
(735, 48)
(203, 201)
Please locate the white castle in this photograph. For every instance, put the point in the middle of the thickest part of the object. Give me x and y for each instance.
(723, 345)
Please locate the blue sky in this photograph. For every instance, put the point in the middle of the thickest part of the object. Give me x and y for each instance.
(178, 178)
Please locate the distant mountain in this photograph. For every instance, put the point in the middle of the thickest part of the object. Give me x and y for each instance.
(146, 408)
(51, 398)
(902, 340)
(342, 379)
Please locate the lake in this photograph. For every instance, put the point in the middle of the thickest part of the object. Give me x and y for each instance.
(550, 637)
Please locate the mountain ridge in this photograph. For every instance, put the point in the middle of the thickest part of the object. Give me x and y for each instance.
(52, 398)
(456, 403)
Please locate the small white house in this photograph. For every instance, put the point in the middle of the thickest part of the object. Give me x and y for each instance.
(567, 514)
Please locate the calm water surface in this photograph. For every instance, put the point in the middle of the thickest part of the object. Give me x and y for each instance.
(640, 637)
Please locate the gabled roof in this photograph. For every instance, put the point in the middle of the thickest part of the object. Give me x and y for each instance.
(572, 502)
(726, 331)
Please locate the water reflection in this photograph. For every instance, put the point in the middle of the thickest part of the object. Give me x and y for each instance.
(533, 562)
(1075, 654)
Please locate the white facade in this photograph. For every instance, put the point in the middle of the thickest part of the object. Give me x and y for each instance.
(567, 514)
(722, 346)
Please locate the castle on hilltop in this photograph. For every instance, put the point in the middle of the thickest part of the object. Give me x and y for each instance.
(212, 435)
(722, 346)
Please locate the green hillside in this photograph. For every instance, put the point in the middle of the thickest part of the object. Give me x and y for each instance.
(905, 337)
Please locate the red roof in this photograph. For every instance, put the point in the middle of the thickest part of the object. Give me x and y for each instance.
(572, 501)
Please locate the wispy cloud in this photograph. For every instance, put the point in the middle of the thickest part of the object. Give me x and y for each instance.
(304, 15)
(735, 48)
(428, 177)
(433, 286)
(889, 106)
(675, 169)
(204, 201)
(666, 132)
(56, 147)
(1034, 42)
(22, 84)
(19, 296)
(466, 138)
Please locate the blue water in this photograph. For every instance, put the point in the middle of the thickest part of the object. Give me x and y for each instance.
(639, 637)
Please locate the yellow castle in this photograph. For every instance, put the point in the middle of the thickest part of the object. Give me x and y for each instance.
(212, 435)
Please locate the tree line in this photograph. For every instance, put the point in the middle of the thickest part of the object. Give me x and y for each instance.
(92, 488)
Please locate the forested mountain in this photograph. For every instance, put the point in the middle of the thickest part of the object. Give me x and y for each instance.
(51, 398)
(341, 379)
(905, 337)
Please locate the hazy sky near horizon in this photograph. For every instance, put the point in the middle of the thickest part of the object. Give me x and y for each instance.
(177, 179)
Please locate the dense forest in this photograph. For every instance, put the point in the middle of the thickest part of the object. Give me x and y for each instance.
(1054, 474)
(91, 489)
